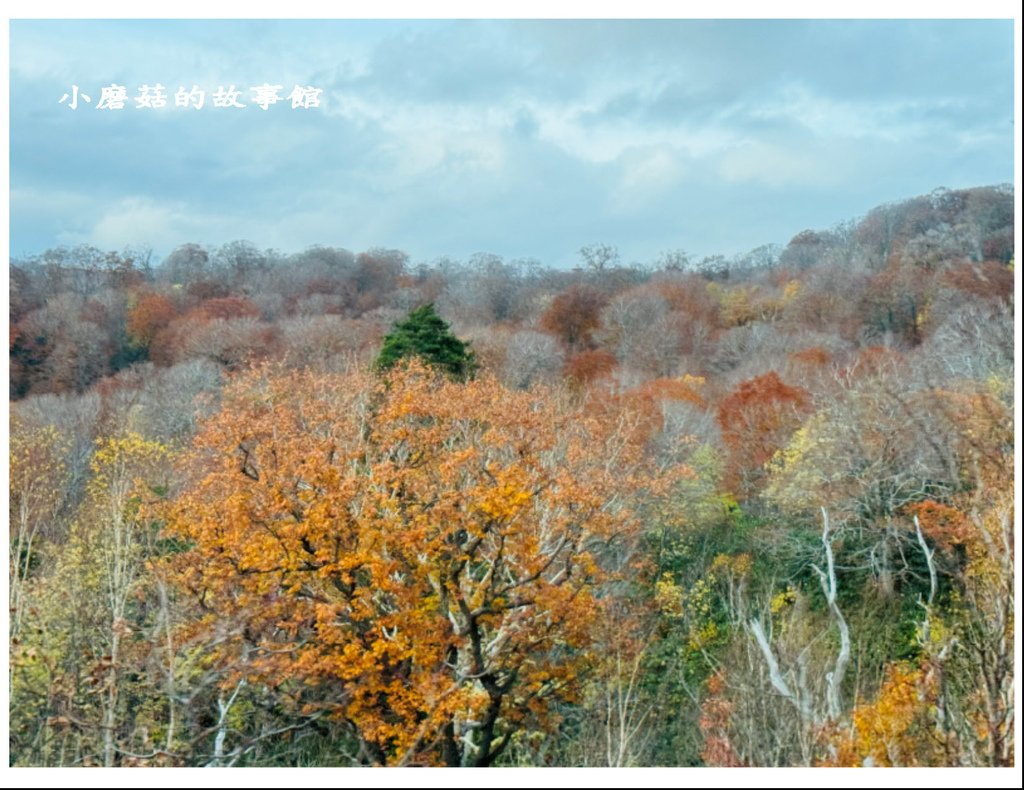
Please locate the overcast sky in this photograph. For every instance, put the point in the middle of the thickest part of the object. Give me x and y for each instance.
(525, 139)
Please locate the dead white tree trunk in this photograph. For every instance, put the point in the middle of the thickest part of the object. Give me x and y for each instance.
(834, 679)
(801, 697)
(929, 557)
(800, 702)
(223, 708)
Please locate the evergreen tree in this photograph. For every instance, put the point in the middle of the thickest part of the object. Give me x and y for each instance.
(426, 335)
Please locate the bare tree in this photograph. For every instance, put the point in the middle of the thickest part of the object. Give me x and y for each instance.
(792, 684)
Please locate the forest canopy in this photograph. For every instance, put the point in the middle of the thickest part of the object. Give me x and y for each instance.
(748, 511)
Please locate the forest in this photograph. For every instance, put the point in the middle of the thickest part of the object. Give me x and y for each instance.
(336, 509)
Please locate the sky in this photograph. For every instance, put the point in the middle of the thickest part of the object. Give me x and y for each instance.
(526, 139)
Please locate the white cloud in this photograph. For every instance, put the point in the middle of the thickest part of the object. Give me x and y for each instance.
(142, 221)
(824, 116)
(645, 174)
(776, 166)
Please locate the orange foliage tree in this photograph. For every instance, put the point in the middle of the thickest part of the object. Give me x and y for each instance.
(757, 419)
(574, 315)
(149, 315)
(717, 749)
(420, 559)
(588, 366)
(895, 729)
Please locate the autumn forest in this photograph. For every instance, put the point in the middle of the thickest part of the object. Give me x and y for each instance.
(334, 509)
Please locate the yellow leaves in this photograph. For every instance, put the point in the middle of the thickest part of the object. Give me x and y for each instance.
(736, 306)
(35, 453)
(922, 316)
(695, 606)
(119, 460)
(692, 382)
(37, 470)
(888, 731)
(127, 447)
(737, 564)
(1000, 388)
(699, 598)
(703, 635)
(783, 600)
(504, 501)
(938, 635)
(668, 596)
(799, 471)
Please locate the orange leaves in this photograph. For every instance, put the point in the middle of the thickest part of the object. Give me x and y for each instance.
(574, 315)
(149, 315)
(893, 729)
(716, 712)
(685, 389)
(756, 420)
(811, 358)
(225, 329)
(428, 547)
(987, 280)
(760, 404)
(945, 525)
(506, 495)
(588, 366)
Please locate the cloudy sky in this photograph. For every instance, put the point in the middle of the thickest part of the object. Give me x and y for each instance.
(525, 139)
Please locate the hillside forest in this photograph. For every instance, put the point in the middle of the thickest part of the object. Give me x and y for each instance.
(334, 509)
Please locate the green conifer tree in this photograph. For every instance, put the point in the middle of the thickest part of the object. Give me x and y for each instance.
(426, 335)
